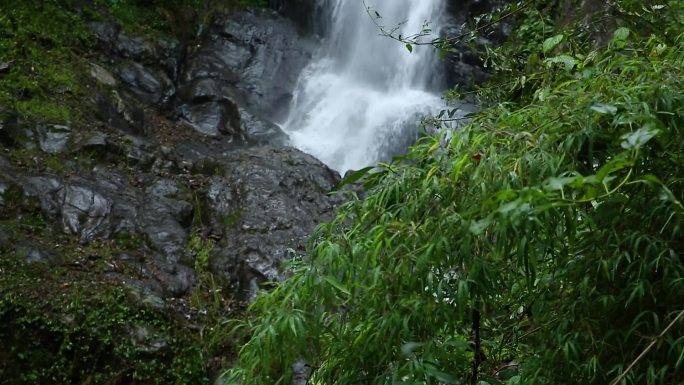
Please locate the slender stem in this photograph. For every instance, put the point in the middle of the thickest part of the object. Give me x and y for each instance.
(648, 348)
(412, 39)
(478, 359)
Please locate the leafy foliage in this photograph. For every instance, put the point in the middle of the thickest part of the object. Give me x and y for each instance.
(541, 244)
(37, 39)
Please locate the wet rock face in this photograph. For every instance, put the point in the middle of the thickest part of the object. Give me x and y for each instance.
(261, 205)
(103, 205)
(264, 214)
(255, 55)
(53, 138)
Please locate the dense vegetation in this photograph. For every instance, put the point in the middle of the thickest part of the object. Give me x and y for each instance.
(541, 244)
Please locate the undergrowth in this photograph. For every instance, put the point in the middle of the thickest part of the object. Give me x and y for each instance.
(40, 45)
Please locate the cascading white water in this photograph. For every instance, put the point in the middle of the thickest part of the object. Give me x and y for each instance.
(360, 100)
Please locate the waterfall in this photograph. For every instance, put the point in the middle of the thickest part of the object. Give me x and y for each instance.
(361, 98)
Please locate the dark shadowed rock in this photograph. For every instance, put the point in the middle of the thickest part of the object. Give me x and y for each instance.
(201, 90)
(16, 133)
(260, 131)
(147, 340)
(138, 151)
(194, 156)
(132, 47)
(170, 56)
(41, 256)
(209, 108)
(212, 118)
(151, 88)
(105, 31)
(175, 279)
(92, 141)
(119, 113)
(166, 233)
(302, 12)
(4, 237)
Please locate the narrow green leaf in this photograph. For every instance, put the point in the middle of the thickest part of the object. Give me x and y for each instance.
(680, 360)
(478, 227)
(616, 164)
(336, 284)
(559, 183)
(638, 138)
(551, 43)
(354, 176)
(408, 348)
(603, 108)
(441, 376)
(567, 61)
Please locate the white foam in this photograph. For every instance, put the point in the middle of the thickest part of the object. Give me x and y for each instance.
(361, 98)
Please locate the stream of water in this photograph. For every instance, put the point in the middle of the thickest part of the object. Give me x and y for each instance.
(361, 99)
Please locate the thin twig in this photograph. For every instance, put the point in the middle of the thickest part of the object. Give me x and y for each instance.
(648, 348)
(411, 39)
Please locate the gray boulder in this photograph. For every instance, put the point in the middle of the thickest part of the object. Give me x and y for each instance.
(4, 190)
(265, 206)
(122, 46)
